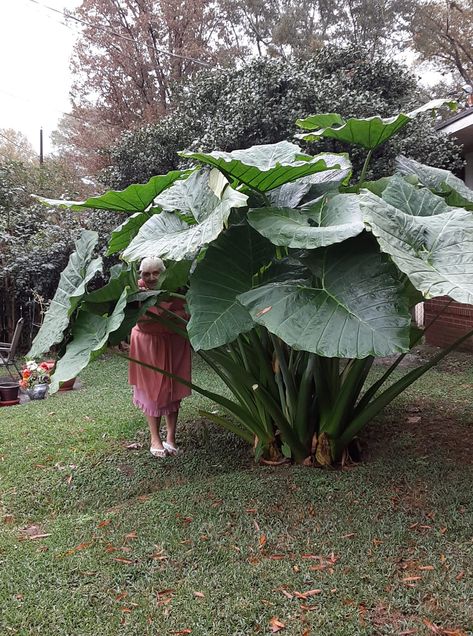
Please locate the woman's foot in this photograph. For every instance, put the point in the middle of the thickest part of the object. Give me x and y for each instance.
(158, 452)
(172, 449)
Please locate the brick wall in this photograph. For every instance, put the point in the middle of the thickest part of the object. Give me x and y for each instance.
(454, 321)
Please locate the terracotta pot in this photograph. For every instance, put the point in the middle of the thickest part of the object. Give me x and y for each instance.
(67, 385)
(9, 403)
(9, 391)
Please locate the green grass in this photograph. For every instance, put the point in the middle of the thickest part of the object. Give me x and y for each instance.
(211, 543)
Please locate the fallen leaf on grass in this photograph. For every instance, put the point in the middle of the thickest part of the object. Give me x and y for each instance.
(183, 631)
(134, 446)
(104, 523)
(199, 594)
(34, 532)
(347, 536)
(433, 628)
(131, 535)
(305, 595)
(460, 575)
(8, 519)
(286, 593)
(81, 546)
(409, 579)
(120, 597)
(426, 567)
(408, 632)
(122, 560)
(263, 540)
(276, 625)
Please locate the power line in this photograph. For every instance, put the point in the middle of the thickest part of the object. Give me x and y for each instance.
(69, 16)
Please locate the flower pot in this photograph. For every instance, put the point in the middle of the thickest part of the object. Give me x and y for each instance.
(9, 391)
(38, 392)
(9, 402)
(67, 385)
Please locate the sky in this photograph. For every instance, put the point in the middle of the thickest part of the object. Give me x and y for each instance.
(35, 49)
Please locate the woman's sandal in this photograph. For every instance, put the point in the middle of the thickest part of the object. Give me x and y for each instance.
(158, 452)
(172, 450)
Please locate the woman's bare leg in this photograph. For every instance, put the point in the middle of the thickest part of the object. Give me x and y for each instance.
(153, 424)
(171, 422)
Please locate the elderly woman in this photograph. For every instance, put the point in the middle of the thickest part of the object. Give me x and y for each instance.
(155, 344)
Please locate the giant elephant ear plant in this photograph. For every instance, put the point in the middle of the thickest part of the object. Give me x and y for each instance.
(300, 277)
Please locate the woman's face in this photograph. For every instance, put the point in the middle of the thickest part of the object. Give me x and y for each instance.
(150, 277)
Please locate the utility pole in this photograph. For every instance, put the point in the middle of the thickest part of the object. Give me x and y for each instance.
(41, 159)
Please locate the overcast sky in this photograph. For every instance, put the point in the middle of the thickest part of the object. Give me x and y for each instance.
(35, 49)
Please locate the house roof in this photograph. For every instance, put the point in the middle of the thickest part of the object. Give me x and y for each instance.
(460, 126)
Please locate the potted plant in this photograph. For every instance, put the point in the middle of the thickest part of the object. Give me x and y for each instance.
(9, 392)
(35, 379)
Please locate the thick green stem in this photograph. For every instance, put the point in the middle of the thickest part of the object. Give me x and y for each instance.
(364, 169)
(290, 389)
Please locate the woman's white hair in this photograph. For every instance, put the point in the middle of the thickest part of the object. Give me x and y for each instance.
(152, 262)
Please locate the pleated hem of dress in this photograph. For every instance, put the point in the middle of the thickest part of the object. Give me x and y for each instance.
(156, 411)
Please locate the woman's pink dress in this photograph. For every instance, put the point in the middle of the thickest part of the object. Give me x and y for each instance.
(151, 342)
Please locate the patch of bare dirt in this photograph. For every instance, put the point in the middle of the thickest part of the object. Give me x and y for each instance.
(430, 430)
(454, 362)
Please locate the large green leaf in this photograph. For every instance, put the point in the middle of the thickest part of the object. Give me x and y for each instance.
(290, 195)
(331, 220)
(80, 269)
(413, 200)
(198, 194)
(226, 271)
(90, 334)
(436, 252)
(269, 166)
(133, 311)
(124, 233)
(442, 181)
(168, 236)
(354, 309)
(135, 198)
(121, 276)
(369, 132)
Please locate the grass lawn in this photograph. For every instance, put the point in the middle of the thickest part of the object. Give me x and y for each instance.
(97, 538)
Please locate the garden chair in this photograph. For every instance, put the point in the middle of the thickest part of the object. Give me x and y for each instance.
(8, 350)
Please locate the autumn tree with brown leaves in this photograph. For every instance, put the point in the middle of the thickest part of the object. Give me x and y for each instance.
(442, 32)
(129, 55)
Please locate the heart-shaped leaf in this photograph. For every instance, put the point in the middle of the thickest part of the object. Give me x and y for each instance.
(436, 252)
(80, 269)
(269, 166)
(227, 270)
(331, 220)
(369, 132)
(355, 308)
